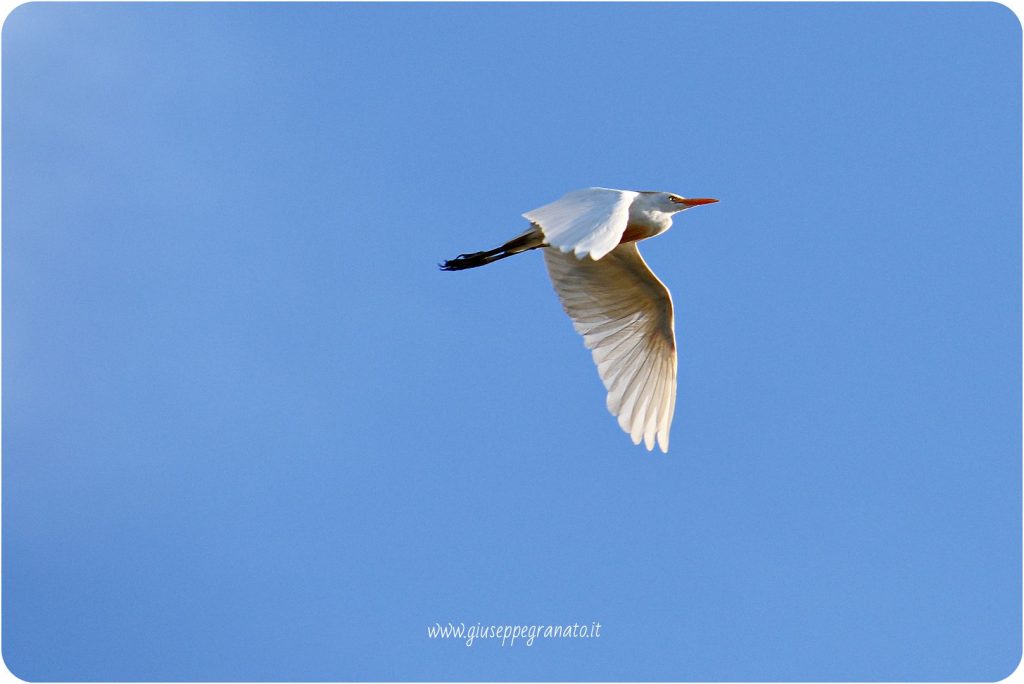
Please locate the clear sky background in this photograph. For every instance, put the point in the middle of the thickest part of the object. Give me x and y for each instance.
(251, 432)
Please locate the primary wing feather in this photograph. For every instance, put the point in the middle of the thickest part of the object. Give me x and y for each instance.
(585, 222)
(624, 314)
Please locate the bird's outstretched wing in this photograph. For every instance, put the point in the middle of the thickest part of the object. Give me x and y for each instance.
(585, 222)
(624, 314)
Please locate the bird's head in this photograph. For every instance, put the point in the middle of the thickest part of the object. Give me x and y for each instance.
(672, 203)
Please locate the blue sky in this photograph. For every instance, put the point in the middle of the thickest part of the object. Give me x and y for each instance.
(251, 432)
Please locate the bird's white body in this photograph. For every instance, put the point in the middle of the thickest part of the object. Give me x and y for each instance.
(621, 309)
(593, 221)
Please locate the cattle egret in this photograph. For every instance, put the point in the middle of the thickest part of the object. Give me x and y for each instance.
(621, 309)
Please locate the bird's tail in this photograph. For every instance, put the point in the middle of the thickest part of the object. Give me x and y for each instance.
(531, 239)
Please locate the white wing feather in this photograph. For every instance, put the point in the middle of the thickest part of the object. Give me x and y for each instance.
(624, 314)
(589, 221)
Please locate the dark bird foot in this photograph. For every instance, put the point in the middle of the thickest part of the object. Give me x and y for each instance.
(464, 261)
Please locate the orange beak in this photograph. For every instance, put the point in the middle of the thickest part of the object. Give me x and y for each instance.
(697, 201)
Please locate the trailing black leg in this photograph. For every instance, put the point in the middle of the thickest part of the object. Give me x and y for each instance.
(532, 239)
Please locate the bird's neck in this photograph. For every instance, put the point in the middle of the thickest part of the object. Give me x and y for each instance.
(651, 220)
(642, 225)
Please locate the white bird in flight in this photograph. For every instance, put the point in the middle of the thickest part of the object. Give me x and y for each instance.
(619, 306)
